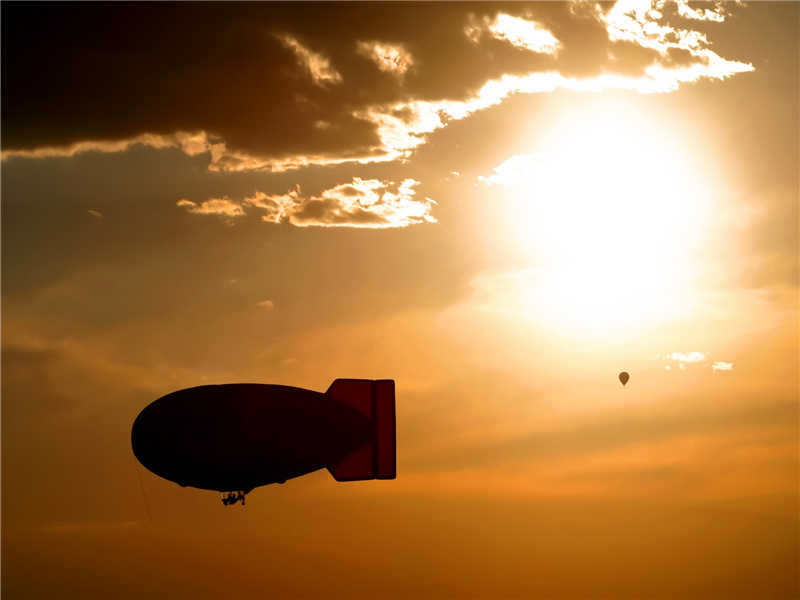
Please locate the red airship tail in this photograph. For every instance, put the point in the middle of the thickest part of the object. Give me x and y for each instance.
(376, 458)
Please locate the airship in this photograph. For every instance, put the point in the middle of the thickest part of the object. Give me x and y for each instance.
(232, 438)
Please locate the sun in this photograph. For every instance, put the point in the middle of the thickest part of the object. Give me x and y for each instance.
(608, 217)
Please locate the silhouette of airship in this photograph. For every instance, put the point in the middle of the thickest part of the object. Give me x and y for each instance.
(235, 437)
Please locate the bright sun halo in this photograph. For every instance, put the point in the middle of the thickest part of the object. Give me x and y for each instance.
(608, 217)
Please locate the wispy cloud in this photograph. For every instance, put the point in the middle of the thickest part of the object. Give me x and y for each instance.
(317, 66)
(95, 213)
(224, 207)
(189, 143)
(690, 359)
(367, 203)
(513, 170)
(275, 207)
(521, 33)
(644, 23)
(682, 436)
(392, 58)
(268, 304)
(702, 14)
(362, 203)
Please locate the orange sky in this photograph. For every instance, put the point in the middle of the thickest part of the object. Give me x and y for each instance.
(499, 206)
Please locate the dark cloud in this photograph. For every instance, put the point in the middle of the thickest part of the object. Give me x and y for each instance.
(273, 80)
(115, 71)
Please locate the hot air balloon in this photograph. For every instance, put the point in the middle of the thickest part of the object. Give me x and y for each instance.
(624, 377)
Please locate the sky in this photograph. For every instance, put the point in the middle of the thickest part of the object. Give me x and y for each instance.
(501, 206)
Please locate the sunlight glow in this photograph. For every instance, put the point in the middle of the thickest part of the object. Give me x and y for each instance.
(608, 217)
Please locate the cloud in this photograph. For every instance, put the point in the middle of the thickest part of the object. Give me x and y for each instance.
(679, 360)
(666, 434)
(276, 206)
(400, 127)
(369, 203)
(513, 170)
(520, 33)
(189, 143)
(256, 114)
(644, 23)
(224, 207)
(701, 14)
(95, 213)
(268, 304)
(318, 67)
(692, 359)
(365, 203)
(389, 57)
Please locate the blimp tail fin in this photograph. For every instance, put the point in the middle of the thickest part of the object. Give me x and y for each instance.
(376, 458)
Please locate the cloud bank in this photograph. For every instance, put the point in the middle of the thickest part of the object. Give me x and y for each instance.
(249, 108)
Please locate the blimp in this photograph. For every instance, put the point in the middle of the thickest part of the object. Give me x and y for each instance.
(232, 438)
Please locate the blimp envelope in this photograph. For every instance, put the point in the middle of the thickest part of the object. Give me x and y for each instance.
(245, 435)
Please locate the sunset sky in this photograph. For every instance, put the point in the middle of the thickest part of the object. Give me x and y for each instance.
(498, 205)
